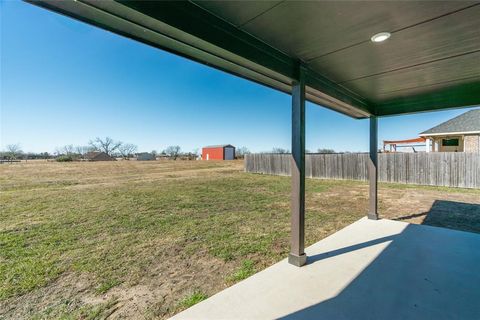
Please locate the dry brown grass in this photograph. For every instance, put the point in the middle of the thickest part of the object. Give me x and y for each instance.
(146, 239)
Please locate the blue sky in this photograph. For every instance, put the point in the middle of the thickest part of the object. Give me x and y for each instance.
(65, 82)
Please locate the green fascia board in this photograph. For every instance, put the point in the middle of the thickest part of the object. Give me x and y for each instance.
(464, 95)
(193, 20)
(200, 36)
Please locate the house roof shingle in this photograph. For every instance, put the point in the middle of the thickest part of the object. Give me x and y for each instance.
(466, 122)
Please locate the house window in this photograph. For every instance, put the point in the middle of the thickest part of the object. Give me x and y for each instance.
(450, 142)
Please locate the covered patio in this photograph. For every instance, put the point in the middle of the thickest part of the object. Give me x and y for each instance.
(362, 59)
(369, 270)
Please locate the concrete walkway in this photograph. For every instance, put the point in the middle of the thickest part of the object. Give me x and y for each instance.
(369, 270)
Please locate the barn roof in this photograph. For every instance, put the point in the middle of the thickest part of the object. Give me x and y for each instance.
(466, 122)
(429, 63)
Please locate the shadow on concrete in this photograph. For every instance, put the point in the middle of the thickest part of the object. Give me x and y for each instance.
(331, 254)
(450, 214)
(424, 273)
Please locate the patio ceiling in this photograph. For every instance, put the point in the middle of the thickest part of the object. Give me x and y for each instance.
(431, 61)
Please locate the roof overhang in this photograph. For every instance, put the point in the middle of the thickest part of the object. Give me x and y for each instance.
(414, 140)
(208, 32)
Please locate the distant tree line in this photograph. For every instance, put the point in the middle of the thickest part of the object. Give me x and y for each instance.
(112, 147)
(120, 149)
(283, 151)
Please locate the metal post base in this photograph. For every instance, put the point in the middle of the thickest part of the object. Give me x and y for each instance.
(372, 216)
(297, 260)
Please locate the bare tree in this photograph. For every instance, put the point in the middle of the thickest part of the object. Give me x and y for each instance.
(173, 152)
(126, 149)
(279, 150)
(241, 152)
(107, 145)
(83, 150)
(69, 149)
(323, 150)
(14, 150)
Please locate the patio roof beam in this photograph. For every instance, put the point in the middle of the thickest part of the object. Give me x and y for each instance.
(297, 255)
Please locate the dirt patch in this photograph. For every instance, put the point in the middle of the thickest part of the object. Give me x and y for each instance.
(68, 287)
(156, 295)
(173, 276)
(457, 209)
(454, 210)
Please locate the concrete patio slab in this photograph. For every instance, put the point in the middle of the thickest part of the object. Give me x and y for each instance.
(369, 270)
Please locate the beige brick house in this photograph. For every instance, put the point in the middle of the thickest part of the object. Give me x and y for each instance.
(460, 134)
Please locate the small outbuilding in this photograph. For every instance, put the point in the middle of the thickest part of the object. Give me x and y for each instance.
(220, 152)
(145, 156)
(98, 156)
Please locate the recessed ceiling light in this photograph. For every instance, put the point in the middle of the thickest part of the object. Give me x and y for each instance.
(380, 37)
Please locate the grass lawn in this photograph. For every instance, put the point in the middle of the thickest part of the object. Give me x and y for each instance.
(148, 239)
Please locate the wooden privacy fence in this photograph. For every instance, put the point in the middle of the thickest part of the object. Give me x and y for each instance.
(435, 168)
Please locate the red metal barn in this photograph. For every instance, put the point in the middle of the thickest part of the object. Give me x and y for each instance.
(221, 152)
